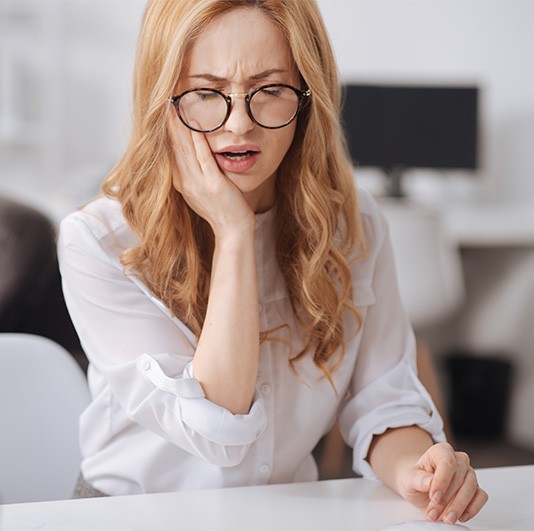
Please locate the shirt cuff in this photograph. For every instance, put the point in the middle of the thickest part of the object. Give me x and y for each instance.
(398, 400)
(200, 415)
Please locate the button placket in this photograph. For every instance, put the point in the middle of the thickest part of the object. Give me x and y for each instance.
(265, 390)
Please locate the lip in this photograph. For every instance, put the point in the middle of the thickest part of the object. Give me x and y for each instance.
(238, 147)
(237, 166)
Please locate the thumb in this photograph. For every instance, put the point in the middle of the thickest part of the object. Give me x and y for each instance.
(418, 480)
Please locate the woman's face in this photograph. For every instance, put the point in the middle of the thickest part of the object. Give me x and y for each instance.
(237, 52)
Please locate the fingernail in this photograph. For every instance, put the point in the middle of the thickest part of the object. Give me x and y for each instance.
(464, 517)
(437, 496)
(451, 518)
(433, 515)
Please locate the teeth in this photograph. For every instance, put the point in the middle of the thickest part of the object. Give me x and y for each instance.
(237, 155)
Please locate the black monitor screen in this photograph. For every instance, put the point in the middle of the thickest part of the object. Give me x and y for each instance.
(411, 126)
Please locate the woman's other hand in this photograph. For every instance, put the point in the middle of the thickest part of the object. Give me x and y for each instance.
(443, 485)
(204, 187)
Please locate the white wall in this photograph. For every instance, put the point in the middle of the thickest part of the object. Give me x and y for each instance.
(482, 41)
(489, 42)
(78, 56)
(100, 38)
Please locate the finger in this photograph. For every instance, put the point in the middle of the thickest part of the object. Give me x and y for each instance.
(418, 480)
(445, 467)
(478, 501)
(176, 129)
(462, 469)
(461, 498)
(205, 157)
(183, 148)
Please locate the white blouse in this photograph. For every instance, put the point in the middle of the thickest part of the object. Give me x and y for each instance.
(149, 427)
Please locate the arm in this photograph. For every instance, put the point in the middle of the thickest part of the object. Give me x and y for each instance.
(396, 450)
(226, 358)
(390, 419)
(385, 391)
(139, 349)
(435, 478)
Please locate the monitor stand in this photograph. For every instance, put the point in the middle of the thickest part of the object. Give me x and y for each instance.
(394, 175)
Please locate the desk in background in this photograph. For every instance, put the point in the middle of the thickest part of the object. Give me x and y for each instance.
(497, 249)
(490, 224)
(348, 504)
(491, 246)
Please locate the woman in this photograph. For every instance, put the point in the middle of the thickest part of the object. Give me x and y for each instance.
(231, 294)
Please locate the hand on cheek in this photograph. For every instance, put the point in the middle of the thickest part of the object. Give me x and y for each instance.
(204, 187)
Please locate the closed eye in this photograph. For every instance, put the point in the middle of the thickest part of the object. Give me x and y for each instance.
(206, 95)
(272, 91)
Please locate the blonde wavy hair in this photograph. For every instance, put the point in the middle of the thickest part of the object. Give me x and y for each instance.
(319, 227)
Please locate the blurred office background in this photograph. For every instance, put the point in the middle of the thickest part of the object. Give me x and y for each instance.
(65, 73)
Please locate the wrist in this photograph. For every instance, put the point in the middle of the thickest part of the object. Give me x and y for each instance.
(394, 453)
(234, 236)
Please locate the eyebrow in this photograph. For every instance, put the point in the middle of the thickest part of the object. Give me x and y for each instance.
(261, 75)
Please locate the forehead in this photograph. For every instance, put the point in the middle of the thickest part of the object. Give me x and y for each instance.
(242, 42)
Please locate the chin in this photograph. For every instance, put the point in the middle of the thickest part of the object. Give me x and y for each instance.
(247, 183)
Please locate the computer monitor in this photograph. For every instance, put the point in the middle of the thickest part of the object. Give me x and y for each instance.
(396, 127)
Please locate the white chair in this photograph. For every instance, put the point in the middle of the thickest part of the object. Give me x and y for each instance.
(429, 267)
(42, 393)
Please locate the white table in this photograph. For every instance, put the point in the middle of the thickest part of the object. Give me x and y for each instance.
(348, 504)
(491, 225)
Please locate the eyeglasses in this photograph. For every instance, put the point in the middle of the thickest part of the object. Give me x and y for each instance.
(270, 106)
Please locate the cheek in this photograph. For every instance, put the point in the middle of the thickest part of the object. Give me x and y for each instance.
(284, 141)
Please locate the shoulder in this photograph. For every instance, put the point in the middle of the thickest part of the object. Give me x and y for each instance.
(374, 223)
(100, 216)
(101, 224)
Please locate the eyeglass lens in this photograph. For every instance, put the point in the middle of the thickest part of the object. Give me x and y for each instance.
(206, 109)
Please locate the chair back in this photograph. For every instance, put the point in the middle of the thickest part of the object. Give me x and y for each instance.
(429, 267)
(42, 393)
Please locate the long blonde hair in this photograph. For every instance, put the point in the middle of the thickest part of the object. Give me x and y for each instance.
(316, 201)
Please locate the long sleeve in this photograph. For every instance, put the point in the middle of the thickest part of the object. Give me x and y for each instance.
(149, 427)
(142, 352)
(385, 391)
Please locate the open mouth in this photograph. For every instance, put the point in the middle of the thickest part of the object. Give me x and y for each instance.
(238, 155)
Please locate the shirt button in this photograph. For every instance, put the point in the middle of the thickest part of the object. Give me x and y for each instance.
(144, 365)
(264, 469)
(265, 389)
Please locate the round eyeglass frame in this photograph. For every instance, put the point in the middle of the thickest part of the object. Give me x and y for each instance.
(248, 96)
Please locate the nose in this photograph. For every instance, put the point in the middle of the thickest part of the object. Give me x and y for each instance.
(239, 121)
